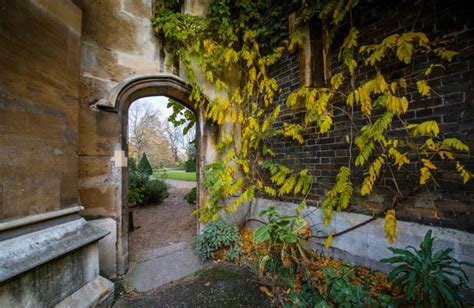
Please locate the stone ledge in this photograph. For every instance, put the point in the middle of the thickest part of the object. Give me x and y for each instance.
(25, 252)
(97, 293)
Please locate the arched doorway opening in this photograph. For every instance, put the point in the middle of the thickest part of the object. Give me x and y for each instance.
(118, 102)
(162, 176)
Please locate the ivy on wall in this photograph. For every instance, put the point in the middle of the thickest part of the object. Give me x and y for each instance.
(233, 49)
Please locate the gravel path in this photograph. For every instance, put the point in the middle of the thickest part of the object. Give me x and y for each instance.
(164, 224)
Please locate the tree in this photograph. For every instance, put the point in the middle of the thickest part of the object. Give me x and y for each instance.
(146, 134)
(144, 165)
(175, 138)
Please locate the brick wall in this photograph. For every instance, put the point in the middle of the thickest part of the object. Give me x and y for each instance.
(323, 154)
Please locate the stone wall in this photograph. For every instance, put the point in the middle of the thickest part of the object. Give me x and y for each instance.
(48, 253)
(117, 43)
(39, 91)
(323, 154)
(117, 46)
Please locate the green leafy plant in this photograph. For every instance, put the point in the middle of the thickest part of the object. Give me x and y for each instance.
(217, 235)
(280, 229)
(143, 189)
(428, 278)
(190, 166)
(144, 165)
(155, 191)
(343, 292)
(191, 196)
(136, 194)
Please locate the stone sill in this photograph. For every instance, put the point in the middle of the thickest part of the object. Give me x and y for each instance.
(25, 252)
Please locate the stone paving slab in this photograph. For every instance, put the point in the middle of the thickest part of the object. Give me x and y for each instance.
(217, 286)
(161, 266)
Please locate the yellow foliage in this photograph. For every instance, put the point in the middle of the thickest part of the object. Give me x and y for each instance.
(293, 131)
(328, 240)
(423, 87)
(372, 175)
(399, 158)
(466, 175)
(340, 195)
(337, 80)
(427, 128)
(390, 226)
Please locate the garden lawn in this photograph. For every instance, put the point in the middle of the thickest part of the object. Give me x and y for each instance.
(180, 175)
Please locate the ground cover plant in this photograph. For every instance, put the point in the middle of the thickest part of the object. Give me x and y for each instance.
(218, 235)
(233, 49)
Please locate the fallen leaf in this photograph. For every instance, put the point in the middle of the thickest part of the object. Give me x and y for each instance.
(266, 291)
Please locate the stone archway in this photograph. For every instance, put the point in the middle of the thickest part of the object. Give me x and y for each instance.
(117, 105)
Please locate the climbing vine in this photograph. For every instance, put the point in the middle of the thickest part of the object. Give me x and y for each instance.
(233, 48)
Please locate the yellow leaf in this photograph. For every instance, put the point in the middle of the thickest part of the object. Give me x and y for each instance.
(423, 87)
(425, 175)
(266, 291)
(427, 163)
(336, 80)
(403, 83)
(390, 226)
(328, 240)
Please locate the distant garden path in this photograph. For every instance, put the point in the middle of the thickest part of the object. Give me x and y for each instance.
(164, 224)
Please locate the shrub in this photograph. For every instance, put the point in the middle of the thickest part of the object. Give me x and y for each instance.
(137, 186)
(155, 191)
(132, 165)
(144, 165)
(190, 166)
(191, 196)
(428, 278)
(136, 194)
(217, 235)
(143, 189)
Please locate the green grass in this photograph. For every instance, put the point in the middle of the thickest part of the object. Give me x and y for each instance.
(179, 175)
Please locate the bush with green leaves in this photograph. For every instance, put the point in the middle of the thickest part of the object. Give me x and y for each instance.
(144, 189)
(144, 165)
(190, 166)
(155, 191)
(428, 278)
(217, 235)
(191, 196)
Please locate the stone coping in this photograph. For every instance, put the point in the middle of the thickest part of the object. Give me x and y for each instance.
(25, 252)
(31, 219)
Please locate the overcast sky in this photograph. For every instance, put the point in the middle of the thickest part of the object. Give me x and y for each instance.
(158, 103)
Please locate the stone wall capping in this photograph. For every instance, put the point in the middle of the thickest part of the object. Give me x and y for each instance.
(23, 221)
(23, 253)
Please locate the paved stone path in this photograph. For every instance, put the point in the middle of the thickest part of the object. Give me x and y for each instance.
(217, 286)
(161, 266)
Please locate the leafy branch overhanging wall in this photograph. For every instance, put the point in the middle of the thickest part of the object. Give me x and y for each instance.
(234, 47)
